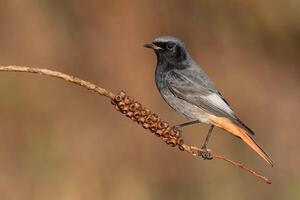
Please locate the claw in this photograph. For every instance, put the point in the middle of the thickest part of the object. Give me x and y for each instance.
(206, 155)
(176, 127)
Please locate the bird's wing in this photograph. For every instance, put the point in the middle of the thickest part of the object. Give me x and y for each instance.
(193, 86)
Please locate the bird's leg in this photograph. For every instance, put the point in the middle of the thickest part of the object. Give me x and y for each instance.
(206, 155)
(178, 126)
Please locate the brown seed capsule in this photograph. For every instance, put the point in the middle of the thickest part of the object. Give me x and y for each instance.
(165, 139)
(178, 133)
(149, 120)
(121, 104)
(113, 102)
(137, 114)
(166, 133)
(129, 114)
(180, 141)
(117, 108)
(133, 118)
(125, 110)
(146, 126)
(153, 127)
(134, 106)
(141, 120)
(163, 125)
(173, 142)
(158, 132)
(122, 94)
(128, 100)
(147, 111)
(180, 148)
(137, 105)
(154, 117)
(172, 133)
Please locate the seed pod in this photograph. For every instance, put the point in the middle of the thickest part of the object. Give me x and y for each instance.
(153, 127)
(113, 102)
(133, 118)
(121, 105)
(178, 134)
(147, 111)
(129, 114)
(117, 108)
(158, 132)
(146, 126)
(149, 120)
(128, 100)
(118, 98)
(172, 133)
(154, 117)
(180, 141)
(172, 142)
(125, 110)
(180, 148)
(122, 94)
(163, 125)
(134, 106)
(141, 120)
(137, 114)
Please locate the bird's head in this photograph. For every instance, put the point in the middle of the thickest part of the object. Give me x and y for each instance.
(169, 49)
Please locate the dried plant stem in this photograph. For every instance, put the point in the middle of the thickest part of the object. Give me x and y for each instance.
(133, 110)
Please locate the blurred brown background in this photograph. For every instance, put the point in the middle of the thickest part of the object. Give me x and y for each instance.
(59, 141)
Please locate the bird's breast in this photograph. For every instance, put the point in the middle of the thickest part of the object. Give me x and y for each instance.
(183, 107)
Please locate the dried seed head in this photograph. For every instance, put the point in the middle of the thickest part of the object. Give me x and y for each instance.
(148, 120)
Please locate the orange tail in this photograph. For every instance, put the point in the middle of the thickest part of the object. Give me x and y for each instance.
(241, 133)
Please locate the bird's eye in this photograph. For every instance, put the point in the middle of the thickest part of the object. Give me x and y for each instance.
(170, 46)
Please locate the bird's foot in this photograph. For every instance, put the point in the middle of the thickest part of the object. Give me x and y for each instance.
(177, 127)
(205, 154)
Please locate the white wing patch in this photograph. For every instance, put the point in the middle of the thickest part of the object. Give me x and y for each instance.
(217, 101)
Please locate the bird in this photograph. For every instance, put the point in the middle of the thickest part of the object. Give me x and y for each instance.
(188, 90)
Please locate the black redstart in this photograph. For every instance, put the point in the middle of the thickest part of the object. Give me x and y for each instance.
(189, 91)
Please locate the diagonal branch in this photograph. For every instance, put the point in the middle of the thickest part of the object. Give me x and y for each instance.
(134, 110)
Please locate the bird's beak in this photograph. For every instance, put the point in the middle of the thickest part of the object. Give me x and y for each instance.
(152, 46)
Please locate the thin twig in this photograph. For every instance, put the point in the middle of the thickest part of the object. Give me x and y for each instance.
(172, 139)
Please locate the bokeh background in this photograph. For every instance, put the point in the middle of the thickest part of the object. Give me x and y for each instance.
(59, 141)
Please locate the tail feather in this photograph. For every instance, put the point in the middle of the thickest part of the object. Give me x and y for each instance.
(243, 134)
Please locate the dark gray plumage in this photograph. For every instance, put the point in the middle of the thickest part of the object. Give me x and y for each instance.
(189, 91)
